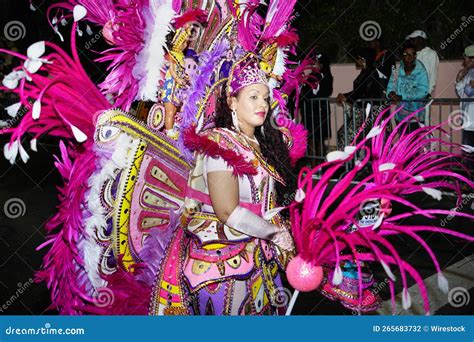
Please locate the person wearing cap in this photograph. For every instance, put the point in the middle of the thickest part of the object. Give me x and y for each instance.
(426, 55)
(465, 90)
(408, 85)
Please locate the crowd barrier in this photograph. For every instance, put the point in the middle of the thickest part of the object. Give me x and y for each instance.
(330, 124)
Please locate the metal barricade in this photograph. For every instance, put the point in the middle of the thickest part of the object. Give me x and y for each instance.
(340, 122)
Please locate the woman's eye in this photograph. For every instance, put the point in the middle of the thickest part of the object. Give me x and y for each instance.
(253, 97)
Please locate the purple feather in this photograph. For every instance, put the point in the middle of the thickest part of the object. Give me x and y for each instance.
(197, 90)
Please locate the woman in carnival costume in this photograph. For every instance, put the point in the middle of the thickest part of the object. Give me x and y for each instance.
(135, 186)
(236, 245)
(143, 222)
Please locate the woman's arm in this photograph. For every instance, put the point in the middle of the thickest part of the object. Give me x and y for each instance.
(224, 193)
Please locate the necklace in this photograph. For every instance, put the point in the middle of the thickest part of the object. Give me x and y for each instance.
(254, 140)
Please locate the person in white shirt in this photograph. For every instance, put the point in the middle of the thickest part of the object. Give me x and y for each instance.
(465, 90)
(426, 55)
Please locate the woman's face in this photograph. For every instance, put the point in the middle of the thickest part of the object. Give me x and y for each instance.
(468, 62)
(251, 105)
(409, 56)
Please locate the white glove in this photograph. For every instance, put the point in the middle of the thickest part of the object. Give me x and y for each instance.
(251, 224)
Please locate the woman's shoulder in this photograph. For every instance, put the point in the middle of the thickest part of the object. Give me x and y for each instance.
(219, 135)
(223, 143)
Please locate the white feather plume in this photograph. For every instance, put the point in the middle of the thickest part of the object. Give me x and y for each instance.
(406, 299)
(436, 194)
(443, 283)
(337, 277)
(152, 56)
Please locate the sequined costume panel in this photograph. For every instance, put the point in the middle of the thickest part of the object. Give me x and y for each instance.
(227, 272)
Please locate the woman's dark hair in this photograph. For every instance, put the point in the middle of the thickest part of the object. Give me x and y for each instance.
(407, 46)
(274, 149)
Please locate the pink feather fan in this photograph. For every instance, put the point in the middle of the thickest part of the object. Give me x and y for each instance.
(65, 102)
(403, 163)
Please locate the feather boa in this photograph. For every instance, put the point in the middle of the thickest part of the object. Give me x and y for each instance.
(107, 165)
(124, 295)
(294, 79)
(297, 137)
(203, 144)
(120, 83)
(276, 20)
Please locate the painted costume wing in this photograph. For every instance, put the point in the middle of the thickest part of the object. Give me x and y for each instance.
(122, 182)
(147, 193)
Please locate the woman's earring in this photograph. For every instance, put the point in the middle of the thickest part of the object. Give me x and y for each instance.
(235, 121)
(262, 131)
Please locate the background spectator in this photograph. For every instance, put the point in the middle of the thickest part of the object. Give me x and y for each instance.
(409, 82)
(465, 90)
(426, 55)
(384, 61)
(367, 84)
(317, 118)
